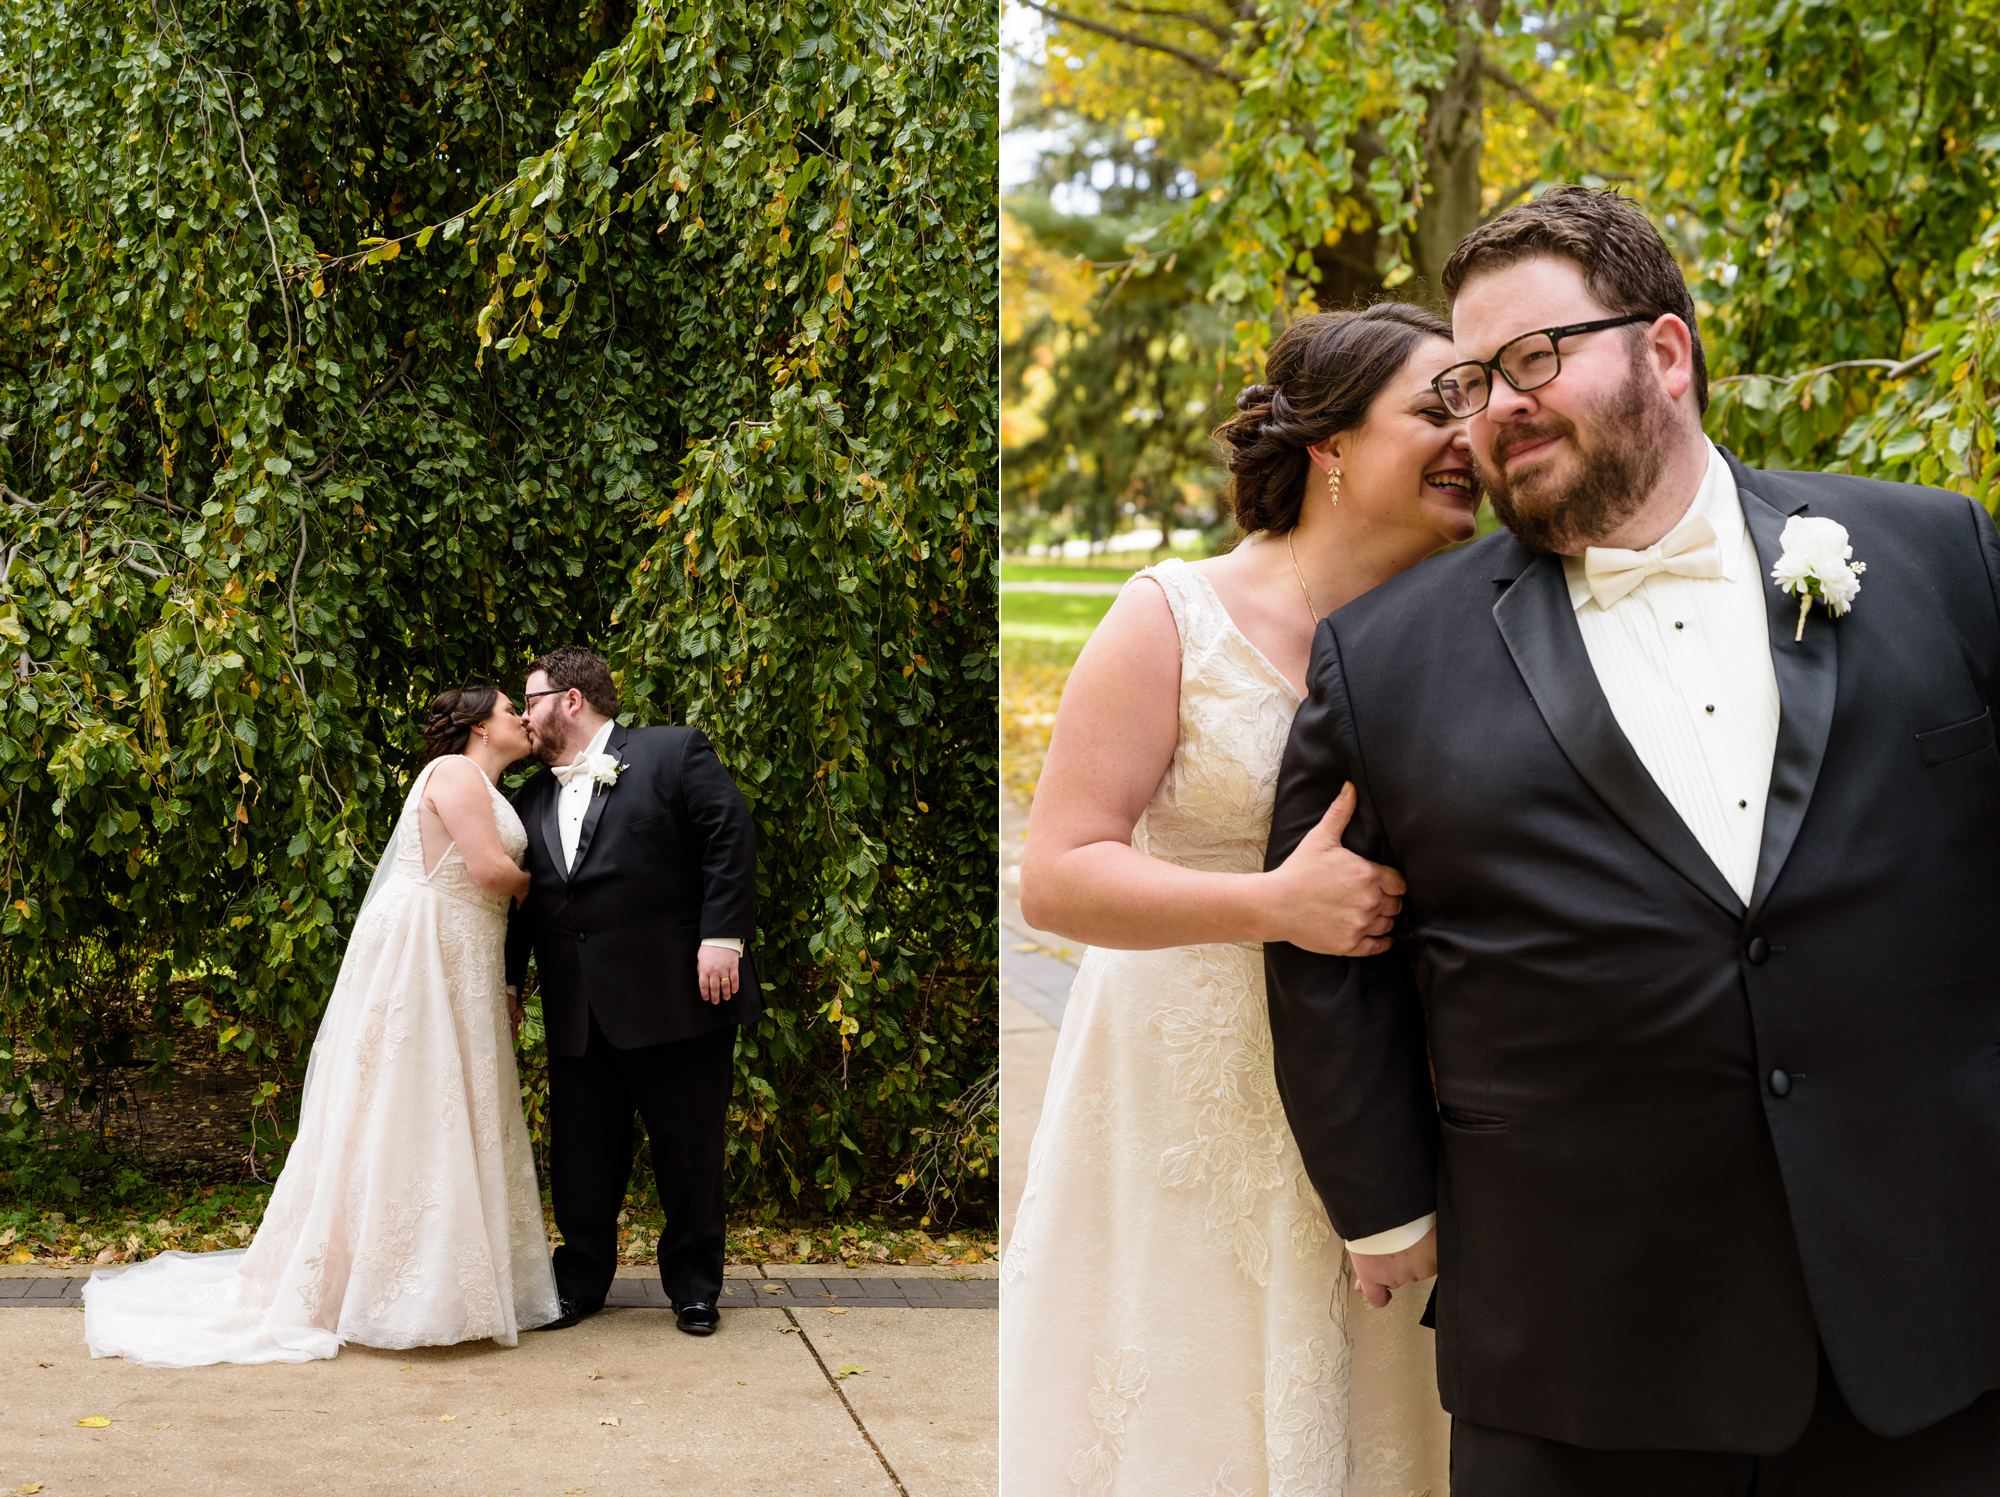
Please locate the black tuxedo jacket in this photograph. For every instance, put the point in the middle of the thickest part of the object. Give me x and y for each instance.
(667, 856)
(1643, 1228)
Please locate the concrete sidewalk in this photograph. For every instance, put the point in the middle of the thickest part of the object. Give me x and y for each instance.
(623, 1403)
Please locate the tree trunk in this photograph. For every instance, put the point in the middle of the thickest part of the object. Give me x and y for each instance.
(1454, 139)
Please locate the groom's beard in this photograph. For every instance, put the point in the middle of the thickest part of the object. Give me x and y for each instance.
(552, 745)
(1614, 477)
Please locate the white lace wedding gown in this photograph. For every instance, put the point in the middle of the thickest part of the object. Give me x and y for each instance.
(407, 1213)
(1177, 1317)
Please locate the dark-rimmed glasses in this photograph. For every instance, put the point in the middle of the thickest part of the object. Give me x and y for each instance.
(1527, 363)
(527, 697)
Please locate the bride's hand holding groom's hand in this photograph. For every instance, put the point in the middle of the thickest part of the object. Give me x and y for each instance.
(1329, 900)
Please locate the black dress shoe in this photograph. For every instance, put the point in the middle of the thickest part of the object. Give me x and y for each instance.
(697, 1318)
(569, 1312)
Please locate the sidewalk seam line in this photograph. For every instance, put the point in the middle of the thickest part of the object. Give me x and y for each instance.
(841, 1393)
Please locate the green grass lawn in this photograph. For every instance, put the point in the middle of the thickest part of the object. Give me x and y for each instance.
(1056, 618)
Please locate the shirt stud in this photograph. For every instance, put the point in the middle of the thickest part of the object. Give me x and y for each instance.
(1743, 805)
(1709, 708)
(1679, 625)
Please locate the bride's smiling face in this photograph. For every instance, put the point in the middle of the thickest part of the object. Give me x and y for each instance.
(1408, 467)
(506, 729)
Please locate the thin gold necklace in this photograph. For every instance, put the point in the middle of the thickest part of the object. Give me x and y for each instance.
(1311, 611)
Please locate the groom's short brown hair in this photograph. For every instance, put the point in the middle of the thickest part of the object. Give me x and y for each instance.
(1623, 258)
(572, 666)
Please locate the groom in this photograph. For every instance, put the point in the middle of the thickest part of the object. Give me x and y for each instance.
(1695, 1053)
(643, 860)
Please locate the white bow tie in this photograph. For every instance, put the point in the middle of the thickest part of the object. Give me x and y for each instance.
(1688, 550)
(564, 773)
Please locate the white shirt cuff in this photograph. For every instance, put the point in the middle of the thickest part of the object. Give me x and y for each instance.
(512, 991)
(729, 942)
(1396, 1238)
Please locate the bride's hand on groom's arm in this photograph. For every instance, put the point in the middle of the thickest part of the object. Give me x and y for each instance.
(1327, 899)
(1378, 1275)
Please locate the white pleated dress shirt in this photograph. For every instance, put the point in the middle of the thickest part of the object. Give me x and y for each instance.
(1685, 663)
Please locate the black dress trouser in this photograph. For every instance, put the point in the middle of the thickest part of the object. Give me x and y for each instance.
(1959, 1456)
(681, 1089)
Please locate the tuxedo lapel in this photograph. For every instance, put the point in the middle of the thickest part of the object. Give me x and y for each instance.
(1538, 623)
(1808, 673)
(614, 746)
(552, 825)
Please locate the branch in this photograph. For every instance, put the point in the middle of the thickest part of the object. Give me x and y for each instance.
(292, 597)
(277, 266)
(401, 369)
(1132, 39)
(1897, 369)
(1207, 23)
(1515, 86)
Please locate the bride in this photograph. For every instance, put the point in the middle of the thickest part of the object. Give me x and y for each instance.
(407, 1213)
(1176, 1317)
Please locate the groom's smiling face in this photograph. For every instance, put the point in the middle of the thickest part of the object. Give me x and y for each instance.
(1567, 463)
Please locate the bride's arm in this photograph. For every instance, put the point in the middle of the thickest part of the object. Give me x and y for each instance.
(457, 792)
(1114, 738)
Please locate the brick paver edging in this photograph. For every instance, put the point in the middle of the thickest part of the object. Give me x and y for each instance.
(626, 1294)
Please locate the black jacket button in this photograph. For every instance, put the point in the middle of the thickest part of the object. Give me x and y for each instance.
(1780, 1083)
(1758, 951)
(580, 938)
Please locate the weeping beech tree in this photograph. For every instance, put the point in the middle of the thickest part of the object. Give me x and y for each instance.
(348, 352)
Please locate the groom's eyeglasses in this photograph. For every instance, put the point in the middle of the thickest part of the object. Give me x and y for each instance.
(528, 697)
(1527, 363)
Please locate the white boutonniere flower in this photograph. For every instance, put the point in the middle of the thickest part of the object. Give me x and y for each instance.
(1813, 563)
(602, 770)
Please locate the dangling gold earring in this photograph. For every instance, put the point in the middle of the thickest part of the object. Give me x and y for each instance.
(1336, 485)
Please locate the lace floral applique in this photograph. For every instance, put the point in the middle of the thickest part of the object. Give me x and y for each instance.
(475, 1286)
(382, 1034)
(1305, 1444)
(1121, 1382)
(391, 1265)
(314, 1288)
(1214, 1063)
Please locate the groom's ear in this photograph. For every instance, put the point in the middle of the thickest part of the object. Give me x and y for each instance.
(1671, 347)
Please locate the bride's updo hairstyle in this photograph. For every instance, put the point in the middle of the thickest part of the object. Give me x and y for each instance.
(1321, 375)
(454, 714)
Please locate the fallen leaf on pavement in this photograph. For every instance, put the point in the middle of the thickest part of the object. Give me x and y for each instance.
(849, 1370)
(402, 1369)
(45, 1364)
(741, 1384)
(572, 1489)
(595, 1374)
(607, 1419)
(836, 1312)
(163, 1426)
(93, 1421)
(638, 1403)
(446, 1418)
(27, 1489)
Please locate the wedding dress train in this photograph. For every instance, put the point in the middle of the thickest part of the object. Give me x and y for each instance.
(408, 1212)
(1177, 1316)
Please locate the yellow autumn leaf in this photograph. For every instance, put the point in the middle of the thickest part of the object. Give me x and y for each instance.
(93, 1421)
(595, 1374)
(27, 1489)
(446, 1418)
(836, 1312)
(607, 1419)
(849, 1370)
(20, 1255)
(319, 286)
